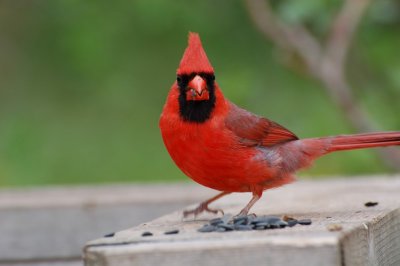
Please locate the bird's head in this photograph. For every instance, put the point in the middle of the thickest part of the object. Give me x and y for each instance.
(196, 82)
(195, 72)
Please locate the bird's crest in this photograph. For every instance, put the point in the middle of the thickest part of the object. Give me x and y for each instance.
(194, 59)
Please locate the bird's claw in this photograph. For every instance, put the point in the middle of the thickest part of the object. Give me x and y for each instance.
(201, 208)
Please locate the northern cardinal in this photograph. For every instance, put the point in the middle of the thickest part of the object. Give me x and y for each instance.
(224, 147)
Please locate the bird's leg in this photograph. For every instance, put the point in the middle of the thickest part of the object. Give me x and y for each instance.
(256, 196)
(204, 206)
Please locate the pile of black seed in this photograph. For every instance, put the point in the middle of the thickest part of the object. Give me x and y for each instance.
(250, 222)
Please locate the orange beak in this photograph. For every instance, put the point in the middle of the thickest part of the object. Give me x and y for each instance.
(197, 90)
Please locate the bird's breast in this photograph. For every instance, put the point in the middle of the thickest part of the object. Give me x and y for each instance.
(212, 155)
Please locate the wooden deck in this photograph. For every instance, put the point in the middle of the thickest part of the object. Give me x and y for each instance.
(343, 232)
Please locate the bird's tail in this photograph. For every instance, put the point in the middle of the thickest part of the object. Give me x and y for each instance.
(301, 153)
(361, 141)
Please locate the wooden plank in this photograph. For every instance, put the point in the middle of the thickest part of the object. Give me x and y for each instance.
(76, 262)
(369, 235)
(53, 223)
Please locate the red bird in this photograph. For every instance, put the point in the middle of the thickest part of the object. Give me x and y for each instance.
(223, 147)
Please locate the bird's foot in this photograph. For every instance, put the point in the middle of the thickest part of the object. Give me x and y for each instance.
(203, 207)
(249, 215)
(243, 212)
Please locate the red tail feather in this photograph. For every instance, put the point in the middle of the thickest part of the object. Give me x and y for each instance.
(361, 141)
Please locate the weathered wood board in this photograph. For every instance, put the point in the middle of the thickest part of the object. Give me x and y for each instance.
(369, 235)
(49, 226)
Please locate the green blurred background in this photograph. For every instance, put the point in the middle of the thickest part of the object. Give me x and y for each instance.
(82, 83)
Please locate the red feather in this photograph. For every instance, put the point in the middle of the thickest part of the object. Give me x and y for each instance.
(194, 59)
(255, 130)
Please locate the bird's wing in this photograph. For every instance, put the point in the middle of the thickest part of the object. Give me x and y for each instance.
(255, 130)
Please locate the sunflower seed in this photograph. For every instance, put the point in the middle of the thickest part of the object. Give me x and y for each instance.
(207, 228)
(220, 229)
(242, 227)
(370, 204)
(240, 220)
(259, 227)
(147, 233)
(262, 224)
(292, 223)
(281, 224)
(172, 232)
(216, 221)
(228, 227)
(109, 235)
(267, 219)
(305, 221)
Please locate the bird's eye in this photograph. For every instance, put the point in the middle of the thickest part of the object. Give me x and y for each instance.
(212, 77)
(178, 79)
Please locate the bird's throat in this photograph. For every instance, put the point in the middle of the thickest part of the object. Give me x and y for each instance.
(197, 111)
